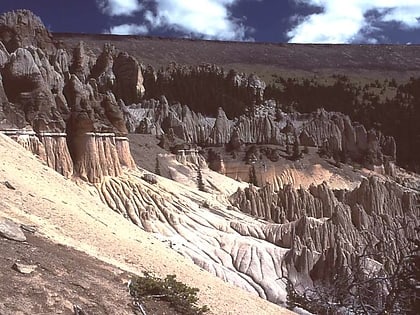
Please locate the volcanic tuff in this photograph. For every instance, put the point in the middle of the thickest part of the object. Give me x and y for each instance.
(74, 108)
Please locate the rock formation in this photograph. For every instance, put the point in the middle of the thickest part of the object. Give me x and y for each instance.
(22, 28)
(74, 110)
(66, 97)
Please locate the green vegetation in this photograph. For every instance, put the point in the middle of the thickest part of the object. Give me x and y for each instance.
(392, 108)
(181, 297)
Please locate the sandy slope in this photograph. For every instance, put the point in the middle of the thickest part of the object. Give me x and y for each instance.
(73, 215)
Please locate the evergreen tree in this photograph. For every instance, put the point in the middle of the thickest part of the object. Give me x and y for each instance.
(200, 182)
(157, 166)
(253, 176)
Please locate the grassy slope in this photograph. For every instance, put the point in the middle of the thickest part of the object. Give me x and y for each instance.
(289, 60)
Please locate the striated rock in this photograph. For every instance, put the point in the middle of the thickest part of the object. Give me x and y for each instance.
(4, 55)
(22, 28)
(339, 136)
(26, 87)
(124, 154)
(95, 156)
(57, 154)
(29, 140)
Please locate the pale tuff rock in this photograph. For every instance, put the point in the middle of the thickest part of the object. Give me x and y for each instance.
(200, 234)
(124, 155)
(337, 133)
(323, 224)
(95, 155)
(57, 153)
(26, 87)
(28, 140)
(251, 81)
(61, 62)
(102, 71)
(220, 133)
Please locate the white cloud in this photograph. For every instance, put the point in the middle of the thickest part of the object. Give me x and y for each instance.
(119, 7)
(209, 19)
(129, 29)
(346, 21)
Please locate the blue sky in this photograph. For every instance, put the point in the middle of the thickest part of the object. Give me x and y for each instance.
(279, 21)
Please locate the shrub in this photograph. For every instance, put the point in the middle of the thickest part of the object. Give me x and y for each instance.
(180, 296)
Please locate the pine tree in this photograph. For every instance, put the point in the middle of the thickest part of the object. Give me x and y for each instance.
(200, 182)
(157, 166)
(253, 176)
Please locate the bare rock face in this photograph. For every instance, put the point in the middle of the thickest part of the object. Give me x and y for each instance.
(28, 140)
(338, 135)
(26, 87)
(252, 81)
(129, 79)
(4, 55)
(124, 155)
(324, 224)
(221, 129)
(95, 156)
(65, 97)
(22, 28)
(82, 63)
(102, 71)
(57, 154)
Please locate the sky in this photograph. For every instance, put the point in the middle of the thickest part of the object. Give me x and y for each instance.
(277, 21)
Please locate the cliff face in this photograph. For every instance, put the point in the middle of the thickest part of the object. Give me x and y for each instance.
(66, 97)
(316, 221)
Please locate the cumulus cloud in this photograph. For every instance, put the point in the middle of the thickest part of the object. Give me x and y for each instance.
(208, 19)
(129, 29)
(351, 21)
(119, 7)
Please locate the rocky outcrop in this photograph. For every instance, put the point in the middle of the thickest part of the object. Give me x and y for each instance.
(57, 154)
(129, 79)
(338, 135)
(95, 156)
(316, 221)
(29, 140)
(203, 235)
(22, 28)
(66, 97)
(124, 155)
(49, 147)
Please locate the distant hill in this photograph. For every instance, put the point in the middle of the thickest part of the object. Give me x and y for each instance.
(265, 59)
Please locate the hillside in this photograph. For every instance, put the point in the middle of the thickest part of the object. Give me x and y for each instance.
(47, 200)
(265, 59)
(293, 191)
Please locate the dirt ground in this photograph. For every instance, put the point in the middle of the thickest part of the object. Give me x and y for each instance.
(64, 278)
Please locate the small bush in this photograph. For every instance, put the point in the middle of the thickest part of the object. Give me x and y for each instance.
(180, 296)
(150, 178)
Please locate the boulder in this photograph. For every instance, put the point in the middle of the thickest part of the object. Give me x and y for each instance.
(11, 230)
